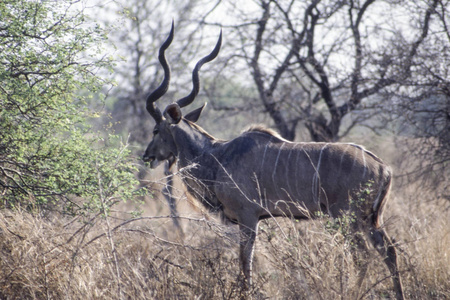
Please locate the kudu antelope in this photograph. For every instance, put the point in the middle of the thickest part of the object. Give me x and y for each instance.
(260, 175)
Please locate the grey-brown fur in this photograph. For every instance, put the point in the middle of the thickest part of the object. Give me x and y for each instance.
(259, 175)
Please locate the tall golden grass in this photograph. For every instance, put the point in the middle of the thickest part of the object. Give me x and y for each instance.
(144, 259)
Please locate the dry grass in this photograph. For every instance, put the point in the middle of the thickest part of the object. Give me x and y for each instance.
(50, 259)
(43, 259)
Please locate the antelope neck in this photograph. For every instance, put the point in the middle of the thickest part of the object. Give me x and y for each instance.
(190, 142)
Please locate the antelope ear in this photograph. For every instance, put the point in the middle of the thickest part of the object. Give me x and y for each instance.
(195, 114)
(173, 113)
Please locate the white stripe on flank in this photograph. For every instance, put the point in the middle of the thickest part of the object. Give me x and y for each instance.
(355, 156)
(276, 162)
(316, 177)
(275, 170)
(297, 182)
(289, 192)
(320, 157)
(264, 155)
(364, 160)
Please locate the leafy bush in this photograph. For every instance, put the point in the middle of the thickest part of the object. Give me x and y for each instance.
(50, 60)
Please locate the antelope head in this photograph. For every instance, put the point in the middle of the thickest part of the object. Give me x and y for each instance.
(163, 146)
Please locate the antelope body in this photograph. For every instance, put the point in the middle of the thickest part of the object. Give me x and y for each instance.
(260, 175)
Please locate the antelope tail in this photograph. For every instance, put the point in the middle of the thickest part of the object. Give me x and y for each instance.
(382, 197)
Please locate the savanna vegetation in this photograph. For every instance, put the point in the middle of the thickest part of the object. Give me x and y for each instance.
(81, 217)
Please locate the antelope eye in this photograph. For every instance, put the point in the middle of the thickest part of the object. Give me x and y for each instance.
(155, 132)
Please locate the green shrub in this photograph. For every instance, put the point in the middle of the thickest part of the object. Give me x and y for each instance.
(50, 58)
